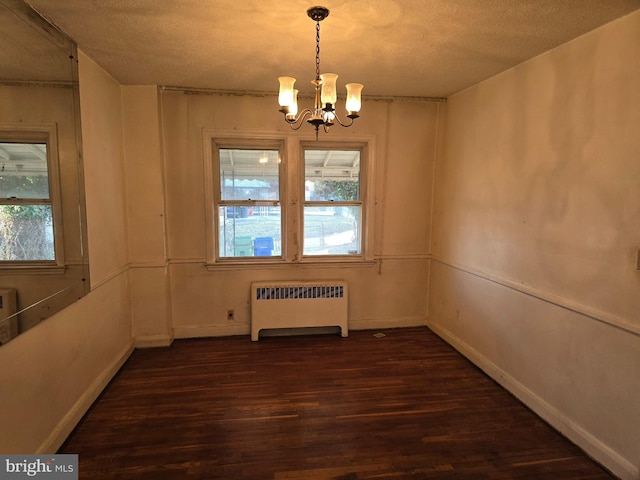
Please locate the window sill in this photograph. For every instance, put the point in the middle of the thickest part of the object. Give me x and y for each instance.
(254, 264)
(32, 269)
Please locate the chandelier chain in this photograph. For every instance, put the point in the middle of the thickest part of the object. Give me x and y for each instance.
(318, 50)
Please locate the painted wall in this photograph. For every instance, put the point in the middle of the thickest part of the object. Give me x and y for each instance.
(387, 293)
(51, 374)
(536, 225)
(149, 275)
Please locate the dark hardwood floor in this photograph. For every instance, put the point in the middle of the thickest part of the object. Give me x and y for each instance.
(405, 405)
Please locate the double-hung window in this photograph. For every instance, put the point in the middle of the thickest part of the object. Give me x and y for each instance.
(249, 206)
(333, 201)
(283, 199)
(28, 199)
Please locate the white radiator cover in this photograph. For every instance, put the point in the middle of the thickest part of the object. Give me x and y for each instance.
(294, 304)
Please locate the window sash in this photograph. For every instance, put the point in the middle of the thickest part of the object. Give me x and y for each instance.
(332, 230)
(53, 253)
(29, 235)
(236, 239)
(336, 231)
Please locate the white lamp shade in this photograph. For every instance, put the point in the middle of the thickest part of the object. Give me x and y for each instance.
(329, 94)
(354, 103)
(286, 96)
(293, 108)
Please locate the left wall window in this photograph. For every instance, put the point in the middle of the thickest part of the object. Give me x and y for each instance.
(28, 216)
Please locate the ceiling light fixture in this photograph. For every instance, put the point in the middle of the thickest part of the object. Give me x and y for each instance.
(323, 113)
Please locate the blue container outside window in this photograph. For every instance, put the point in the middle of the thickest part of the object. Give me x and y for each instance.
(263, 246)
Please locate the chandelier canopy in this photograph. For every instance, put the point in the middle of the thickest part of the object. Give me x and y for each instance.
(323, 113)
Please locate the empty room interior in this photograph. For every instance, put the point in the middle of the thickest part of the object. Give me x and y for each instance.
(483, 187)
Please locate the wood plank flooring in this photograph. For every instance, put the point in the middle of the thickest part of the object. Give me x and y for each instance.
(404, 405)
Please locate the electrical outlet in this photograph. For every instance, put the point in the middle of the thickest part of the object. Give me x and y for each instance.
(230, 315)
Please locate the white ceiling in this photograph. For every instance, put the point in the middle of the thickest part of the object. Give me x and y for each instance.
(426, 48)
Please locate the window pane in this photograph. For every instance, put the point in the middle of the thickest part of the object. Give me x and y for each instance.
(249, 174)
(23, 170)
(332, 230)
(250, 231)
(332, 175)
(26, 233)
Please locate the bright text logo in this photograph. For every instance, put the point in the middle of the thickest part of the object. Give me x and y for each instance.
(50, 467)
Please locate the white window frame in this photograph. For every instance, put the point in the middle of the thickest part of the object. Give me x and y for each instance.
(213, 142)
(292, 198)
(48, 134)
(363, 184)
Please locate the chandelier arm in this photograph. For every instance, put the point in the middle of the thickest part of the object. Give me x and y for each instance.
(296, 122)
(351, 117)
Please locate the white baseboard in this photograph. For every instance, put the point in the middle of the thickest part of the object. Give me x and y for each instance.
(62, 430)
(395, 322)
(595, 448)
(210, 331)
(153, 341)
(225, 331)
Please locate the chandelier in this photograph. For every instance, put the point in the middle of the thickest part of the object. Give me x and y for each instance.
(323, 113)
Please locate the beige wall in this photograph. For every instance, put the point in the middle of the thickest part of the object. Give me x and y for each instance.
(151, 307)
(52, 373)
(389, 293)
(535, 233)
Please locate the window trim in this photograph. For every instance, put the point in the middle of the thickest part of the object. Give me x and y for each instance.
(362, 189)
(40, 133)
(213, 142)
(292, 196)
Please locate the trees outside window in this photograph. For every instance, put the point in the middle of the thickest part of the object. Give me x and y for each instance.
(26, 210)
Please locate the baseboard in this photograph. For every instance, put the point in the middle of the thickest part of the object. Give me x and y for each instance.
(210, 331)
(593, 447)
(62, 430)
(292, 332)
(395, 322)
(225, 331)
(153, 341)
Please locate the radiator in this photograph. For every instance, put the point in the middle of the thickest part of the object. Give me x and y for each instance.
(298, 305)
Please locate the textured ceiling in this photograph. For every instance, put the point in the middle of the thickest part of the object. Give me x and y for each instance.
(30, 50)
(428, 48)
